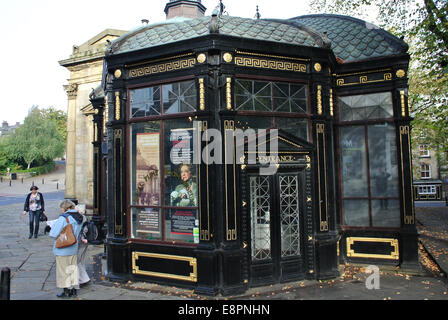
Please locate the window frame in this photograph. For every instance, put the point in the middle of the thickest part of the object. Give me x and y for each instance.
(365, 124)
(426, 170)
(162, 207)
(272, 115)
(424, 151)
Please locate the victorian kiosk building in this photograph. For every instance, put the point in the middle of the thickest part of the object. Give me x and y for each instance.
(335, 88)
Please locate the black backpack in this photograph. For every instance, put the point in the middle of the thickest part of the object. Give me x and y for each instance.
(92, 231)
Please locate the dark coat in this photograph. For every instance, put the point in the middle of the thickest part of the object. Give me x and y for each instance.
(27, 202)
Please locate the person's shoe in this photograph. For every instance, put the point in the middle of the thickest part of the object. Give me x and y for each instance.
(30, 236)
(35, 236)
(73, 293)
(64, 293)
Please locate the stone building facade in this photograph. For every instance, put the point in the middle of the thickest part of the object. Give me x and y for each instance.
(86, 67)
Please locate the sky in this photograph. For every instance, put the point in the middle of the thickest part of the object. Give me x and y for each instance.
(36, 35)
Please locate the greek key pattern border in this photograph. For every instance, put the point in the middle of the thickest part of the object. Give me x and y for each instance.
(363, 80)
(162, 67)
(270, 64)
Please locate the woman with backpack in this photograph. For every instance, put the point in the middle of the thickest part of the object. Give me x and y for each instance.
(67, 258)
(35, 206)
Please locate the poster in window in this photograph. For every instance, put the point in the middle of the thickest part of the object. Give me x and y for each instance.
(148, 221)
(183, 222)
(147, 169)
(180, 181)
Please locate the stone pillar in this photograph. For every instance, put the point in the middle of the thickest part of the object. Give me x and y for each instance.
(70, 171)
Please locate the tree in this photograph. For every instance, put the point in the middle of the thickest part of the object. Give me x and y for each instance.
(59, 117)
(36, 140)
(424, 26)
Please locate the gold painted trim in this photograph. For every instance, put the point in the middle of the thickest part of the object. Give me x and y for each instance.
(105, 114)
(202, 58)
(393, 242)
(408, 219)
(204, 233)
(331, 103)
(227, 57)
(317, 67)
(401, 73)
(363, 80)
(320, 129)
(271, 56)
(231, 234)
(117, 105)
(270, 64)
(162, 67)
(229, 93)
(201, 94)
(361, 72)
(403, 103)
(117, 74)
(319, 99)
(193, 277)
(118, 134)
(158, 60)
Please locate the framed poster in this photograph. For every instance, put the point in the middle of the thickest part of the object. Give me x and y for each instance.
(147, 169)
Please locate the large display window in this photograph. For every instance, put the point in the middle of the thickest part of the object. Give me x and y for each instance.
(368, 157)
(163, 180)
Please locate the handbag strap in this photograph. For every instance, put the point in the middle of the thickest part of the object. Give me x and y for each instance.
(66, 218)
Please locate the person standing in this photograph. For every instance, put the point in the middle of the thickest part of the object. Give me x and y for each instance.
(35, 206)
(82, 248)
(67, 258)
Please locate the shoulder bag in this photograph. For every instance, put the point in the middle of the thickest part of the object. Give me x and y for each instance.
(66, 238)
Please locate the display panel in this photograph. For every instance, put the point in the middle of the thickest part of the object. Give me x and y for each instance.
(164, 181)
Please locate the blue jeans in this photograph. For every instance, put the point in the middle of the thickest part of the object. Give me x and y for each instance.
(34, 221)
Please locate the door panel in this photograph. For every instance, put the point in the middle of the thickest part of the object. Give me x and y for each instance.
(276, 206)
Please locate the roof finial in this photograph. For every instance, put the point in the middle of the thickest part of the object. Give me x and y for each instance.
(258, 15)
(219, 10)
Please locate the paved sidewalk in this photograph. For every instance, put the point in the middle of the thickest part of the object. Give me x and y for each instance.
(33, 275)
(53, 182)
(432, 224)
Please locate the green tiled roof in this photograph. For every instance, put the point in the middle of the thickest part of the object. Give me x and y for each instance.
(182, 29)
(353, 39)
(350, 39)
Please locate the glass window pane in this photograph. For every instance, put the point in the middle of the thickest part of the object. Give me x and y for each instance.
(145, 102)
(145, 164)
(180, 176)
(367, 106)
(146, 223)
(354, 164)
(251, 122)
(179, 97)
(383, 161)
(289, 215)
(294, 126)
(260, 208)
(386, 213)
(356, 213)
(182, 225)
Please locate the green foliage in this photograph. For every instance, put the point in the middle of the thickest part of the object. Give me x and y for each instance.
(59, 117)
(36, 140)
(424, 26)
